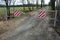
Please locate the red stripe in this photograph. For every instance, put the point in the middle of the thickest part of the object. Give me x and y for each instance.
(17, 12)
(42, 16)
(41, 13)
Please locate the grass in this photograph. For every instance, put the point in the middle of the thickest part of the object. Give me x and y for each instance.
(3, 9)
(10, 25)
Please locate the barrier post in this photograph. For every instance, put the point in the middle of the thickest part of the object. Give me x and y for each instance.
(55, 18)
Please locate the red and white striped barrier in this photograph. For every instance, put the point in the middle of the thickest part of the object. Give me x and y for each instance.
(17, 13)
(42, 14)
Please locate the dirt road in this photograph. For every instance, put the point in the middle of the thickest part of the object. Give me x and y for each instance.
(33, 28)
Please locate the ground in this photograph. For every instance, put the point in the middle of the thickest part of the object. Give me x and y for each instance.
(32, 28)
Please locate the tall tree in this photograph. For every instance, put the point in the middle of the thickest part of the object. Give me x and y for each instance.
(13, 4)
(32, 4)
(8, 8)
(37, 4)
(9, 2)
(28, 5)
(52, 4)
(42, 3)
(23, 4)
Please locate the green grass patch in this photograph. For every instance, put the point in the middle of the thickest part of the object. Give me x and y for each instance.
(2, 10)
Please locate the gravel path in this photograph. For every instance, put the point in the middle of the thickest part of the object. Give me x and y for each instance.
(34, 29)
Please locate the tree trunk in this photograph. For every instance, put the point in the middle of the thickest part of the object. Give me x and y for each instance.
(23, 4)
(14, 4)
(32, 4)
(28, 4)
(8, 9)
(37, 4)
(53, 4)
(42, 3)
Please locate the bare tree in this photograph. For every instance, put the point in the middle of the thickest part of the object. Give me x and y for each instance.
(9, 2)
(37, 4)
(28, 5)
(52, 4)
(8, 8)
(23, 4)
(42, 3)
(32, 4)
(14, 4)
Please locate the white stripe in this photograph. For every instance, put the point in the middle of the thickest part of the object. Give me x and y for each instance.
(40, 13)
(15, 13)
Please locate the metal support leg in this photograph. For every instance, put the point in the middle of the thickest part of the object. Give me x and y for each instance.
(55, 18)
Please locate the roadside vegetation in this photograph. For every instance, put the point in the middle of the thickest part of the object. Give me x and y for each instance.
(9, 24)
(9, 10)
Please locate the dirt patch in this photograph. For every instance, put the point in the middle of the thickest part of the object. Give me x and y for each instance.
(6, 26)
(2, 17)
